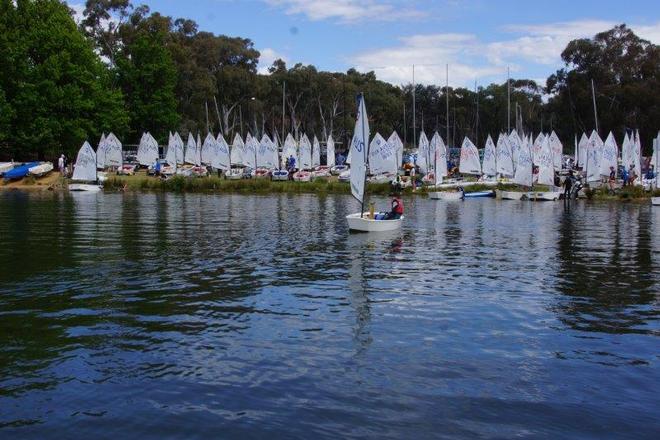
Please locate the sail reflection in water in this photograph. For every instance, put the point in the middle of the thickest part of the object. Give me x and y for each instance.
(159, 315)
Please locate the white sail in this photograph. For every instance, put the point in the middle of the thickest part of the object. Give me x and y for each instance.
(594, 156)
(208, 148)
(250, 151)
(170, 154)
(316, 153)
(305, 153)
(557, 150)
(395, 140)
(610, 156)
(221, 160)
(359, 151)
(85, 168)
(489, 164)
(237, 150)
(274, 152)
(545, 162)
(523, 173)
(191, 150)
(424, 154)
(179, 148)
(265, 158)
(100, 152)
(637, 150)
(516, 144)
(583, 147)
(147, 152)
(469, 158)
(381, 156)
(113, 151)
(440, 158)
(537, 147)
(290, 150)
(504, 156)
(330, 152)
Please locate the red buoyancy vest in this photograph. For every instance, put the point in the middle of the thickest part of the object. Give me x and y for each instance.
(397, 206)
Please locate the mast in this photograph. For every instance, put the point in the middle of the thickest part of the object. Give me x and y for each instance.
(508, 97)
(206, 107)
(366, 158)
(414, 122)
(215, 101)
(283, 109)
(447, 99)
(593, 97)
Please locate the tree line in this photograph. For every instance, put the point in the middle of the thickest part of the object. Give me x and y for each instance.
(127, 69)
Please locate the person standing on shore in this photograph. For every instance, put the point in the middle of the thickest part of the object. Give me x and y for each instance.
(612, 179)
(568, 184)
(60, 164)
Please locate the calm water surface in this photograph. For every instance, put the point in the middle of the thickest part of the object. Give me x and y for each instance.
(202, 316)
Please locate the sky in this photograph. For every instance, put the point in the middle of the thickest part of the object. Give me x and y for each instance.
(478, 39)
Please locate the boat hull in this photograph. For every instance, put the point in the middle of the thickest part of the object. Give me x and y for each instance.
(84, 187)
(338, 169)
(361, 223)
(446, 195)
(302, 176)
(655, 201)
(41, 170)
(543, 196)
(511, 195)
(478, 194)
(280, 175)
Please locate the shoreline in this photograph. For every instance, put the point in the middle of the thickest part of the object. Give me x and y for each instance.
(260, 186)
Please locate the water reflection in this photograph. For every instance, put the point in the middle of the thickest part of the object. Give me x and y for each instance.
(479, 318)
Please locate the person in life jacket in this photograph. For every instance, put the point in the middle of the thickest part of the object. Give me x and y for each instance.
(397, 208)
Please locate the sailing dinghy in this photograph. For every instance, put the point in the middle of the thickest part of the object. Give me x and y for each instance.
(364, 221)
(85, 170)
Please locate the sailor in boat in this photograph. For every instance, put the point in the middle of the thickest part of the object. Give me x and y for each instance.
(397, 208)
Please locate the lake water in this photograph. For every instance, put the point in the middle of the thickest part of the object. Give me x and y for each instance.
(230, 316)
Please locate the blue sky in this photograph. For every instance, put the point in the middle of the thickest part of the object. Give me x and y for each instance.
(479, 39)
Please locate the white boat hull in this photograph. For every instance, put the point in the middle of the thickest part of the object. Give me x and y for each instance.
(655, 201)
(338, 169)
(446, 195)
(302, 176)
(41, 170)
(84, 187)
(544, 195)
(361, 223)
(280, 175)
(510, 195)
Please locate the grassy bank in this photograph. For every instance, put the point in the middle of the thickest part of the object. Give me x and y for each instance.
(246, 186)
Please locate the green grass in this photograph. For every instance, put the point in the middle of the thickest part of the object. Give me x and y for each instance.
(247, 186)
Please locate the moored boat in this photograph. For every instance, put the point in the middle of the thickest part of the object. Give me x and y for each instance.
(476, 194)
(543, 195)
(86, 187)
(6, 166)
(510, 195)
(655, 201)
(447, 195)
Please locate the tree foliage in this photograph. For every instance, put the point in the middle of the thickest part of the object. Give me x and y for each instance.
(128, 69)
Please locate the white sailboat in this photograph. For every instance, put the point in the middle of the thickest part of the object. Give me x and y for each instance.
(85, 170)
(113, 152)
(362, 221)
(545, 162)
(330, 152)
(489, 163)
(100, 153)
(469, 163)
(147, 152)
(504, 157)
(523, 173)
(208, 150)
(610, 156)
(441, 172)
(221, 160)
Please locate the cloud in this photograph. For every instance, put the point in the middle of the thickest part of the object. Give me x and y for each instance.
(531, 51)
(268, 56)
(347, 10)
(78, 9)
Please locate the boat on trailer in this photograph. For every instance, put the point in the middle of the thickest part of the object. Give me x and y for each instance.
(338, 169)
(279, 175)
(302, 176)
